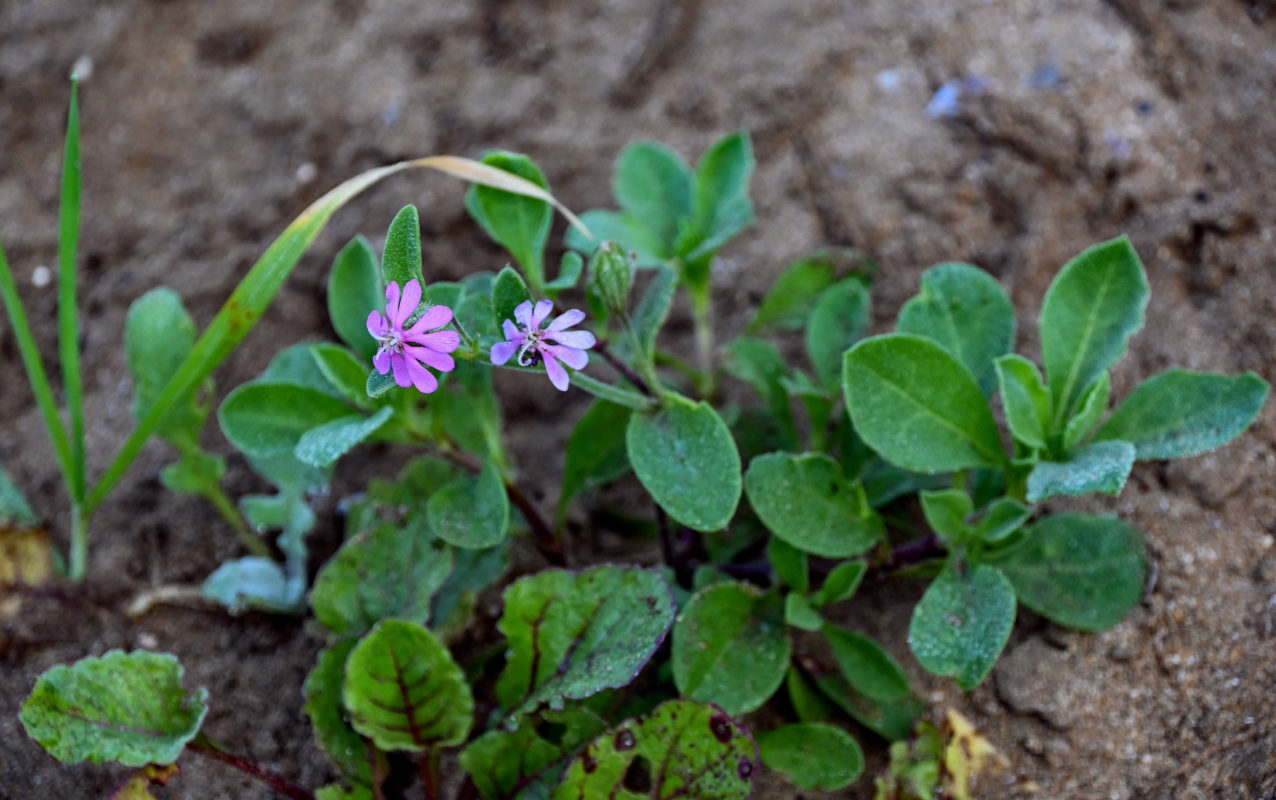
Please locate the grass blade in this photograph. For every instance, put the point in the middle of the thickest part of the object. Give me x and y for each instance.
(68, 308)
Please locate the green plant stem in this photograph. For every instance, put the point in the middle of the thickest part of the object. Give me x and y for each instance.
(231, 514)
(68, 308)
(613, 394)
(664, 359)
(646, 360)
(703, 318)
(204, 746)
(36, 375)
(624, 369)
(79, 556)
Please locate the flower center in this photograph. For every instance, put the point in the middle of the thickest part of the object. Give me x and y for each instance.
(529, 354)
(392, 342)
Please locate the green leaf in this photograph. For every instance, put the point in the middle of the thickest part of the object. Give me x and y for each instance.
(868, 667)
(129, 708)
(322, 445)
(568, 272)
(720, 200)
(892, 721)
(467, 411)
(255, 582)
(1099, 467)
(508, 292)
(337, 792)
(653, 184)
(473, 571)
(1090, 409)
(195, 471)
(401, 258)
(730, 647)
(1080, 571)
(685, 457)
(627, 230)
(404, 691)
(379, 385)
(841, 583)
(809, 703)
(799, 613)
(1092, 309)
(838, 320)
(343, 745)
(789, 301)
(519, 224)
(571, 635)
(595, 450)
(14, 508)
(1180, 413)
(355, 290)
(472, 511)
(807, 502)
(682, 750)
(1026, 400)
(814, 755)
(964, 309)
(343, 371)
(296, 365)
(529, 761)
(268, 419)
(474, 316)
(791, 565)
(158, 335)
(653, 309)
(946, 511)
(917, 406)
(962, 623)
(1004, 516)
(385, 572)
(758, 363)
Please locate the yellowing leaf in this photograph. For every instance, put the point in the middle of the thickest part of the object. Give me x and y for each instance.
(966, 754)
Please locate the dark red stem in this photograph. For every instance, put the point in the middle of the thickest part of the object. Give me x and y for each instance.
(202, 745)
(624, 369)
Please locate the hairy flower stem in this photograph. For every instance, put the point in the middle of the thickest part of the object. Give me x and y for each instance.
(202, 745)
(704, 344)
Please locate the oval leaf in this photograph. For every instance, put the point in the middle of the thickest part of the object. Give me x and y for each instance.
(518, 223)
(838, 320)
(1100, 467)
(158, 336)
(868, 667)
(269, 419)
(789, 301)
(682, 750)
(1025, 398)
(685, 457)
(807, 502)
(814, 755)
(343, 745)
(1180, 413)
(962, 623)
(472, 511)
(385, 572)
(125, 707)
(1093, 307)
(401, 258)
(354, 289)
(915, 404)
(404, 691)
(573, 635)
(730, 647)
(964, 309)
(528, 762)
(322, 445)
(653, 183)
(508, 292)
(1080, 571)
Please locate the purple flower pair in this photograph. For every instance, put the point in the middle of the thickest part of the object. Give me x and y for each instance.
(553, 344)
(408, 352)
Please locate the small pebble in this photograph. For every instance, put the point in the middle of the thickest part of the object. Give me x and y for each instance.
(41, 276)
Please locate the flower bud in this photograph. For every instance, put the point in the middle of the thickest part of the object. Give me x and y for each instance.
(611, 274)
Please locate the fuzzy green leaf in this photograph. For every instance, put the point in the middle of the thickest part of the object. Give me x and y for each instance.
(1099, 467)
(528, 762)
(838, 320)
(1180, 413)
(654, 307)
(354, 290)
(401, 258)
(730, 647)
(1093, 307)
(868, 667)
(125, 707)
(682, 750)
(788, 303)
(628, 231)
(472, 511)
(814, 755)
(1025, 398)
(963, 622)
(685, 457)
(404, 691)
(158, 335)
(841, 583)
(519, 224)
(344, 372)
(653, 184)
(807, 502)
(914, 403)
(343, 745)
(946, 511)
(1080, 571)
(964, 309)
(508, 292)
(1090, 409)
(269, 419)
(572, 635)
(720, 200)
(322, 445)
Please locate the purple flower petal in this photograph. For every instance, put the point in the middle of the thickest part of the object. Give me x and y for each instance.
(567, 319)
(377, 326)
(557, 375)
(422, 378)
(441, 341)
(523, 313)
(511, 331)
(504, 351)
(401, 374)
(392, 300)
(408, 302)
(572, 357)
(581, 340)
(382, 361)
(436, 317)
(440, 361)
(540, 313)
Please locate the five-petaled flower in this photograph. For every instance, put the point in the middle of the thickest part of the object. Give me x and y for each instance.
(408, 351)
(551, 344)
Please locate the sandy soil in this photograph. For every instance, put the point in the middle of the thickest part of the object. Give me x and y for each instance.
(209, 126)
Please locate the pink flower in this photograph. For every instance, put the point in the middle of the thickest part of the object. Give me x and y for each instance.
(408, 352)
(552, 344)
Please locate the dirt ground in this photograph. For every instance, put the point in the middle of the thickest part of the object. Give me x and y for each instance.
(208, 126)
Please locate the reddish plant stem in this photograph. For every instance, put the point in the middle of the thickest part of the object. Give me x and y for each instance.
(624, 369)
(428, 764)
(546, 540)
(202, 745)
(913, 552)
